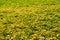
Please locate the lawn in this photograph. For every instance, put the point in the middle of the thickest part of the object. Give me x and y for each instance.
(30, 20)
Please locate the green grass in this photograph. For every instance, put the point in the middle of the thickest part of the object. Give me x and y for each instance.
(28, 2)
(30, 20)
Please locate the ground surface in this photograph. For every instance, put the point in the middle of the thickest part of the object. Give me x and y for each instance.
(30, 20)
